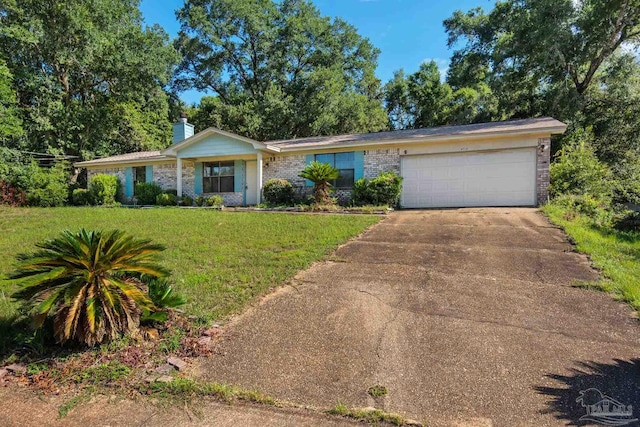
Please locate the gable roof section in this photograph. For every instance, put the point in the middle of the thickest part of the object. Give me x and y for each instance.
(513, 127)
(175, 148)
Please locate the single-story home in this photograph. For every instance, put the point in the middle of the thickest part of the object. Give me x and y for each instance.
(487, 164)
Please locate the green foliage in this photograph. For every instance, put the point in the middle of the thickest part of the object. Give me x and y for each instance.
(163, 295)
(10, 122)
(86, 283)
(277, 69)
(320, 174)
(577, 170)
(146, 193)
(90, 76)
(377, 391)
(214, 201)
(105, 189)
(278, 192)
(186, 201)
(385, 189)
(166, 199)
(81, 197)
(103, 373)
(200, 201)
(25, 183)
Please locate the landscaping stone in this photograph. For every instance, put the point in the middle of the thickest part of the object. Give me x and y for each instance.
(164, 379)
(151, 378)
(214, 330)
(16, 369)
(3, 372)
(178, 363)
(164, 369)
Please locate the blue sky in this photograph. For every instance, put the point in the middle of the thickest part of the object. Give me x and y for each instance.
(406, 31)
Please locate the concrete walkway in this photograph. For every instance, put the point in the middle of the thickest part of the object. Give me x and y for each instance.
(466, 316)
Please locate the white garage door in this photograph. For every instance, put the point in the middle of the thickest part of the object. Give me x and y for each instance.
(492, 178)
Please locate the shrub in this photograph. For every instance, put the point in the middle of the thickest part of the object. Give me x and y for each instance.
(81, 197)
(385, 189)
(278, 192)
(201, 201)
(104, 189)
(215, 201)
(147, 193)
(166, 199)
(91, 294)
(576, 170)
(320, 174)
(11, 195)
(47, 187)
(186, 201)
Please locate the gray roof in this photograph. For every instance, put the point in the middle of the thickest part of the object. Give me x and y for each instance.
(525, 125)
(128, 157)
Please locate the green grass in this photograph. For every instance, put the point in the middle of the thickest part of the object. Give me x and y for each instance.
(371, 416)
(220, 260)
(616, 253)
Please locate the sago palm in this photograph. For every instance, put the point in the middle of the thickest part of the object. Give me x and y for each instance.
(87, 282)
(320, 174)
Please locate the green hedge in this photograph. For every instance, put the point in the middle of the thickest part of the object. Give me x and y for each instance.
(385, 189)
(105, 189)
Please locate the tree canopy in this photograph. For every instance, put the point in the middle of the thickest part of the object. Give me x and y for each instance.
(88, 76)
(278, 69)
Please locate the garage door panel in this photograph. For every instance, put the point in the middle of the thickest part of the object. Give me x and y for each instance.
(504, 178)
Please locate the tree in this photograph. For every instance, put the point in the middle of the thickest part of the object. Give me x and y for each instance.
(89, 77)
(10, 123)
(418, 100)
(86, 282)
(320, 174)
(544, 54)
(278, 69)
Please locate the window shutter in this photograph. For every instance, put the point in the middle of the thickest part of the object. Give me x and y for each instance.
(309, 159)
(238, 176)
(358, 165)
(128, 181)
(197, 187)
(149, 173)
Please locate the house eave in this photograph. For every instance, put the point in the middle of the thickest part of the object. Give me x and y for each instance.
(93, 163)
(553, 130)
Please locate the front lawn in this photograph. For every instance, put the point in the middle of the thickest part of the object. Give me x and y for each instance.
(616, 253)
(220, 260)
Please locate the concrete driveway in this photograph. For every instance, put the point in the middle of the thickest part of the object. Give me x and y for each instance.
(467, 316)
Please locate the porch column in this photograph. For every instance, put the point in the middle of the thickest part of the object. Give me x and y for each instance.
(179, 176)
(259, 175)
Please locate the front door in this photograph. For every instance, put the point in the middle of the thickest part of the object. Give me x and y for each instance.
(251, 189)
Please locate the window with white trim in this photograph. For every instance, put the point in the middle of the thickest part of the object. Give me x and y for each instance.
(218, 177)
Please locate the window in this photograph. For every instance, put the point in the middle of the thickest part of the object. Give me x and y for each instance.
(139, 176)
(345, 164)
(218, 177)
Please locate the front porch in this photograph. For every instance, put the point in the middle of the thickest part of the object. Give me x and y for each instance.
(238, 179)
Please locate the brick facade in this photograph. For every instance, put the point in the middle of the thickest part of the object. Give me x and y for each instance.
(285, 167)
(542, 170)
(378, 161)
(165, 175)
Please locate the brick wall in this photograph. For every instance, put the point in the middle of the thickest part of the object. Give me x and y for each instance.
(285, 167)
(165, 176)
(378, 161)
(188, 178)
(542, 170)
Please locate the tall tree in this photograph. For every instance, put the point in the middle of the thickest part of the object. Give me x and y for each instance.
(544, 54)
(278, 69)
(90, 79)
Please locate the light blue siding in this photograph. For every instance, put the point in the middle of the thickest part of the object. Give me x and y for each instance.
(238, 176)
(128, 181)
(308, 160)
(149, 173)
(197, 187)
(182, 131)
(217, 145)
(358, 165)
